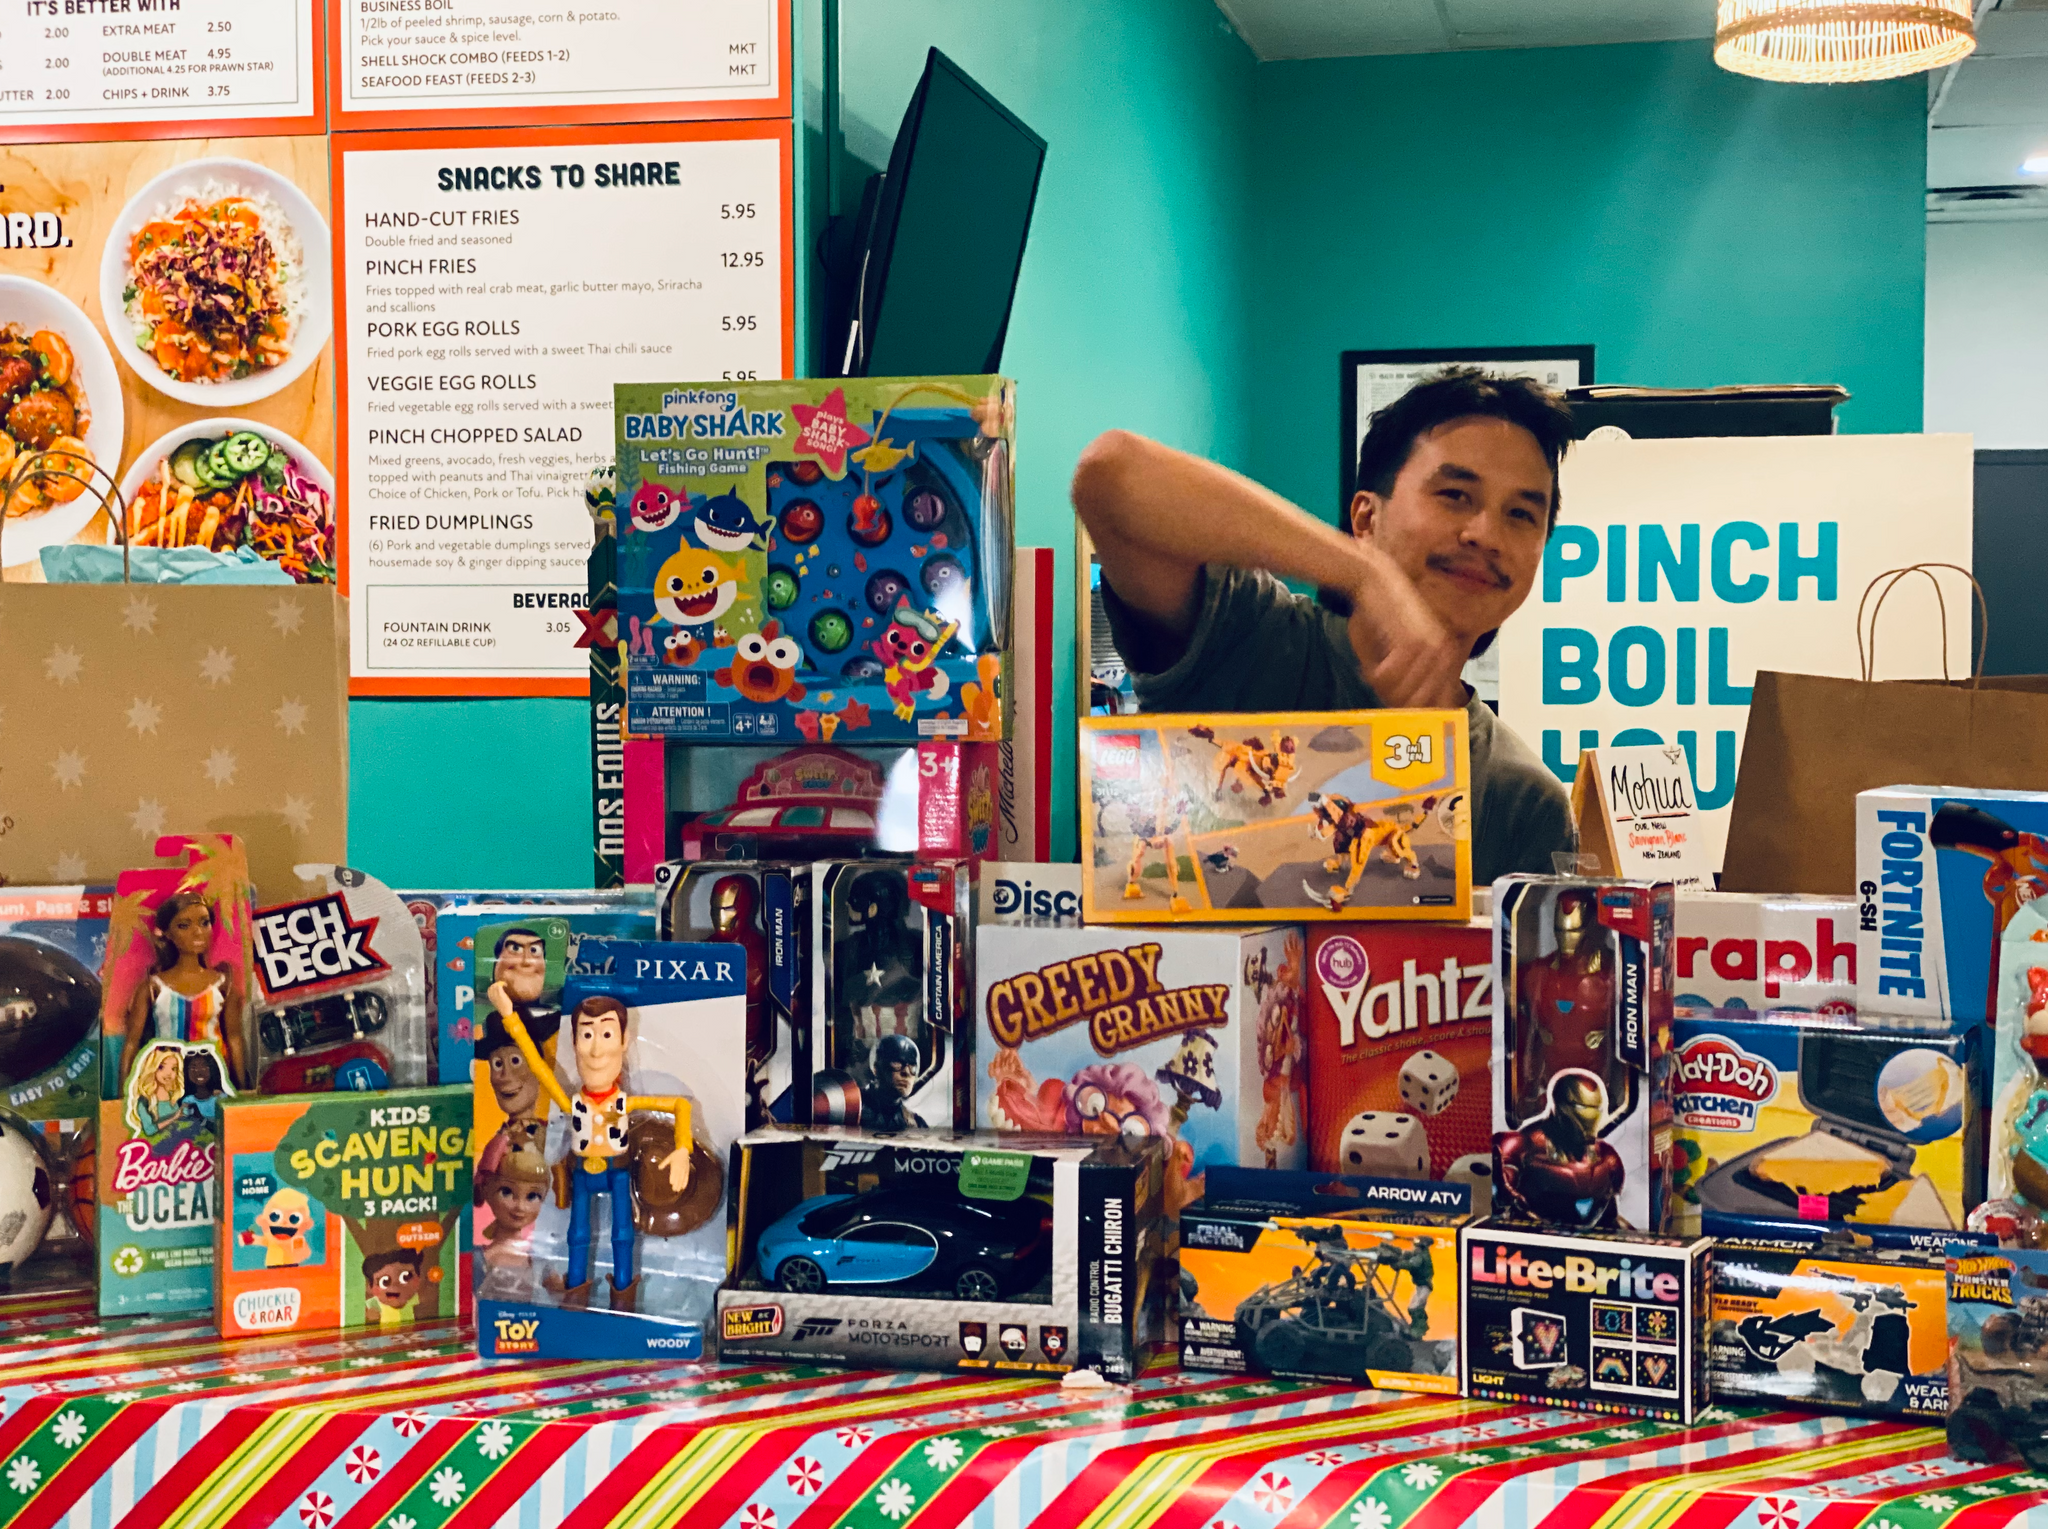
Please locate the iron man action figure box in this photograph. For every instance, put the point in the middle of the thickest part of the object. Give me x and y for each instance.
(1582, 1034)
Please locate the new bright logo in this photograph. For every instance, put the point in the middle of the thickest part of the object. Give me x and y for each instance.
(1720, 1087)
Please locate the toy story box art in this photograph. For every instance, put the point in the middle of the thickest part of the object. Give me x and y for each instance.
(1593, 1321)
(816, 561)
(1257, 817)
(1190, 1036)
(1331, 1278)
(342, 1210)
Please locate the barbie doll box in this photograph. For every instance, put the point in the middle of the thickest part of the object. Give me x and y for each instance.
(341, 1210)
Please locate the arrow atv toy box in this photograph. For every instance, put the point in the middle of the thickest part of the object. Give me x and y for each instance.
(1276, 816)
(816, 561)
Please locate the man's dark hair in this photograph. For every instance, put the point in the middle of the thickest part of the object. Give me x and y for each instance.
(1460, 392)
(532, 934)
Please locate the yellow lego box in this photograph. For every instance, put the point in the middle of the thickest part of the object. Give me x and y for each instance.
(1276, 816)
(1332, 1278)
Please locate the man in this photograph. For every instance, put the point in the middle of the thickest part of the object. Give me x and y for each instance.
(1456, 497)
(519, 976)
(885, 1104)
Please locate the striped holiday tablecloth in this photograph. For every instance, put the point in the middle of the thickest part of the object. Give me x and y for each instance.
(166, 1425)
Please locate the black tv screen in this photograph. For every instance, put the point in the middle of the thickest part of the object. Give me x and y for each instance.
(948, 239)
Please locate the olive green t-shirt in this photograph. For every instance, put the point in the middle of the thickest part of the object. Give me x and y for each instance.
(1258, 646)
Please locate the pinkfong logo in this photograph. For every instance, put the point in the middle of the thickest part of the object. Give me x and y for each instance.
(1720, 1087)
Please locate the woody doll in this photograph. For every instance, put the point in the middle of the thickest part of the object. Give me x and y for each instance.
(601, 1154)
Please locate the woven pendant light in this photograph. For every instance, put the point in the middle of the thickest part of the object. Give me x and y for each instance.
(1833, 42)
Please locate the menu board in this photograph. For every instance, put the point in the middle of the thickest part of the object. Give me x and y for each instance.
(159, 68)
(493, 289)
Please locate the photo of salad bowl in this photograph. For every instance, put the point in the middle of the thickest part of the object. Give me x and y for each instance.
(225, 484)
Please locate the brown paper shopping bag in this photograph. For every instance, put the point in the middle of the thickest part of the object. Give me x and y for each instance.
(1814, 742)
(128, 711)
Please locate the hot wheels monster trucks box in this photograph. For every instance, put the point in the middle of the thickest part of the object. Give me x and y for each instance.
(1741, 950)
(1806, 1323)
(1253, 818)
(816, 561)
(1400, 1043)
(1193, 1036)
(1331, 1278)
(937, 1250)
(1594, 1321)
(1998, 1354)
(341, 1210)
(1820, 1118)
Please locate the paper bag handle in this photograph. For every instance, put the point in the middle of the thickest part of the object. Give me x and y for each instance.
(1866, 654)
(39, 467)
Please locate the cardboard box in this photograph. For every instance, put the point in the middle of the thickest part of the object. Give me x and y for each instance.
(1840, 1329)
(1029, 895)
(1998, 1355)
(1742, 950)
(820, 560)
(1811, 1117)
(1274, 815)
(1592, 1321)
(1190, 1036)
(1582, 1027)
(1344, 1279)
(1400, 1024)
(343, 1210)
(1859, 1235)
(1051, 1260)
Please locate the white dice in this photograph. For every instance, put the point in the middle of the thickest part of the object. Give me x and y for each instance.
(1385, 1144)
(1428, 1083)
(1474, 1169)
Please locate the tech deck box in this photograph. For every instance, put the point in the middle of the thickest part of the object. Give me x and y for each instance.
(1343, 1279)
(1841, 1329)
(935, 1250)
(1582, 1027)
(1592, 1321)
(1276, 816)
(1741, 950)
(1400, 1043)
(1818, 1118)
(1192, 1036)
(1940, 872)
(823, 561)
(343, 1210)
(1998, 1355)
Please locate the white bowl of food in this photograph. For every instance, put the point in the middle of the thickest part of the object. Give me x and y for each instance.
(216, 283)
(227, 483)
(58, 384)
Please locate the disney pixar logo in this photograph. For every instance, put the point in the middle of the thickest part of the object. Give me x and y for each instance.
(1720, 1087)
(516, 1335)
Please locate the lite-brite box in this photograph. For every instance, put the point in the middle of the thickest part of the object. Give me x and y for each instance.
(1400, 1043)
(937, 1250)
(1190, 1036)
(1842, 1329)
(1741, 950)
(1275, 815)
(1940, 872)
(1998, 1355)
(1595, 1321)
(1329, 1278)
(1819, 1118)
(342, 1210)
(817, 561)
(1582, 1028)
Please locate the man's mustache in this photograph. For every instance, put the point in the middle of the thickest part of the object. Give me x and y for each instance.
(1470, 567)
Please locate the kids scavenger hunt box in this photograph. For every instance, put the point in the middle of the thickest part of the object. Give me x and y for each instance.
(819, 560)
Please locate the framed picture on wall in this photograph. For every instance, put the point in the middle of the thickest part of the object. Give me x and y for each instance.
(1372, 379)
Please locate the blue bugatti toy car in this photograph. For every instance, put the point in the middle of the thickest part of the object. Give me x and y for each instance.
(922, 1239)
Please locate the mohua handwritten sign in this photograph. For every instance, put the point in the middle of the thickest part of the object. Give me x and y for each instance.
(1637, 816)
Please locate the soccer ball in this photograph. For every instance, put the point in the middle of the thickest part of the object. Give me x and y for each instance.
(28, 1194)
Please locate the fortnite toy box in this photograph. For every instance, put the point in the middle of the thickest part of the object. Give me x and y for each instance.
(1276, 816)
(1594, 1321)
(816, 561)
(1190, 1036)
(1331, 1278)
(1400, 1043)
(342, 1210)
(1740, 950)
(1820, 1118)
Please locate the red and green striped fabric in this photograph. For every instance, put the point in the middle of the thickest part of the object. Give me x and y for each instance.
(165, 1425)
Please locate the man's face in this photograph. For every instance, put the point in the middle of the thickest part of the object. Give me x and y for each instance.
(600, 1050)
(902, 1078)
(517, 1089)
(523, 966)
(1467, 520)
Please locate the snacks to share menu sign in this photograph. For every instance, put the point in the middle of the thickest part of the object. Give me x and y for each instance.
(408, 390)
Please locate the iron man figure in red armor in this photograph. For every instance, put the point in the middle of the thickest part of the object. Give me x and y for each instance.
(1556, 1169)
(1564, 1006)
(735, 907)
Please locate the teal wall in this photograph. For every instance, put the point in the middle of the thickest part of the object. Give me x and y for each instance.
(1697, 227)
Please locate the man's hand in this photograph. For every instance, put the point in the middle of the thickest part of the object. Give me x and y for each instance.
(1404, 653)
(499, 997)
(677, 1166)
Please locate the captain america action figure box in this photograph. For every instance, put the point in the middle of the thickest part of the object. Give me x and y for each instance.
(1582, 1031)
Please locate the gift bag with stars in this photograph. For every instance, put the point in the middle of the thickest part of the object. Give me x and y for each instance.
(128, 711)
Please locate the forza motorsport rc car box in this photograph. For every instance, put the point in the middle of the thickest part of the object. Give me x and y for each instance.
(1594, 1321)
(938, 1250)
(1345, 1279)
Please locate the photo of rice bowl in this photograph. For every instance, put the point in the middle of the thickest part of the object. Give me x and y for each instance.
(59, 393)
(215, 282)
